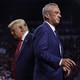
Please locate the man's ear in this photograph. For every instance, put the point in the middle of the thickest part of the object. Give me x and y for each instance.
(46, 15)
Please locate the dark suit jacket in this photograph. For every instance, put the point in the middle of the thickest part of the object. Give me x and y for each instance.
(25, 60)
(47, 54)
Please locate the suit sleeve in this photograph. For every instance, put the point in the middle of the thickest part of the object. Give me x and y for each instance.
(41, 49)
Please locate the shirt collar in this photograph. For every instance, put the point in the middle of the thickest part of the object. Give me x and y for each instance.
(51, 26)
(23, 37)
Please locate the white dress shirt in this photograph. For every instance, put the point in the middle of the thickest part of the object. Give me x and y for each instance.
(23, 37)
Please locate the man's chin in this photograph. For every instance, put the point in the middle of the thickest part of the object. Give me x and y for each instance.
(57, 23)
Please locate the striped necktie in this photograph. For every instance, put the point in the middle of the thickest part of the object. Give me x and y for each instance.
(60, 46)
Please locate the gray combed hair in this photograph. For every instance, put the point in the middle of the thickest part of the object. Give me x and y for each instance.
(48, 8)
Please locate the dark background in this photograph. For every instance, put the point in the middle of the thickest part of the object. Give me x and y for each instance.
(31, 12)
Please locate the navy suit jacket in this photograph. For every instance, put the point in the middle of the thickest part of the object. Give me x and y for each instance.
(25, 60)
(47, 54)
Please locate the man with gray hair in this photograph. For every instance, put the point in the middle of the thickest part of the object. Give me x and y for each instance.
(49, 61)
(24, 57)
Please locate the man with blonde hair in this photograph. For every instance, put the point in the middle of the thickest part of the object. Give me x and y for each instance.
(24, 57)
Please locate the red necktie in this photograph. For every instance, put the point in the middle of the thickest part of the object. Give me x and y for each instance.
(14, 61)
(18, 49)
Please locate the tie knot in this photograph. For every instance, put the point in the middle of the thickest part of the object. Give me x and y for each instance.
(20, 40)
(19, 43)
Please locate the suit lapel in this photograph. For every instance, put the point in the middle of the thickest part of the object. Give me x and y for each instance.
(50, 30)
(23, 45)
(56, 37)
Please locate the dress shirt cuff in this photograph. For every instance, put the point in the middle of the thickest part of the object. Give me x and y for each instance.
(60, 62)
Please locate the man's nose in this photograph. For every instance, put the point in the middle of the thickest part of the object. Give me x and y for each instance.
(11, 32)
(60, 15)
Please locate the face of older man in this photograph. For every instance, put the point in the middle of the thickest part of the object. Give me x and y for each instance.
(54, 15)
(16, 31)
